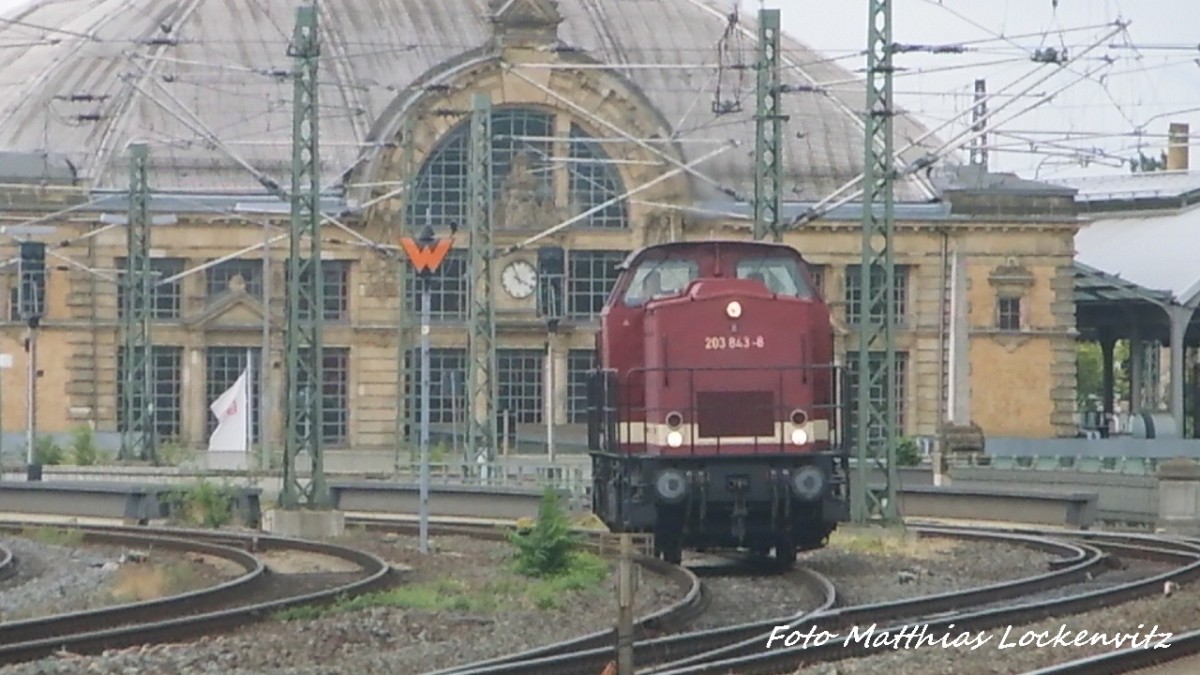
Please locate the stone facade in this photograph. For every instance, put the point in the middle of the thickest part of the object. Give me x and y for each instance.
(1022, 379)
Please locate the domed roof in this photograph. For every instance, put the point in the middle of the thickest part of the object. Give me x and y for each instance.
(207, 84)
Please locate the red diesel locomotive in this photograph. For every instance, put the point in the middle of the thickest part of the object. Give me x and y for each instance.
(715, 404)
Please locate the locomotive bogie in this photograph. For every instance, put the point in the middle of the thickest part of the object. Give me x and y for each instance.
(788, 502)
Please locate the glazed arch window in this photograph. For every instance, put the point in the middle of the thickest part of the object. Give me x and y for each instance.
(660, 279)
(542, 174)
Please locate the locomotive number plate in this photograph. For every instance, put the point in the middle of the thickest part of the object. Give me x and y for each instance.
(734, 342)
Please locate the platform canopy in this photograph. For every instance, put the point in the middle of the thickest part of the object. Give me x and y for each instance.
(1136, 256)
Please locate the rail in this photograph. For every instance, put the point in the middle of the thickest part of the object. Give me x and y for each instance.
(671, 617)
(182, 616)
(8, 564)
(676, 651)
(1185, 555)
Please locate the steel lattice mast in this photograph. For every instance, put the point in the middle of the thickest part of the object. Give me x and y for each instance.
(305, 290)
(137, 432)
(481, 370)
(876, 432)
(769, 119)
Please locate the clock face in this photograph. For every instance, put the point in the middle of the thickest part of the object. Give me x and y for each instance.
(519, 279)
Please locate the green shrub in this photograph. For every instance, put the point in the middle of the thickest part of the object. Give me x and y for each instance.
(174, 454)
(84, 450)
(46, 452)
(546, 548)
(203, 504)
(907, 453)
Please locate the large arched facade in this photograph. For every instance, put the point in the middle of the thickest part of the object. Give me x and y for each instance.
(584, 115)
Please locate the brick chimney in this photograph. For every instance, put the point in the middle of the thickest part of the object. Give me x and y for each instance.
(1177, 147)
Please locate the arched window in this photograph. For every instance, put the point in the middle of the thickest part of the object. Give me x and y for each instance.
(538, 179)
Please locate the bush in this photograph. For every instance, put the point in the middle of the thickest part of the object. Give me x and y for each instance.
(907, 453)
(545, 549)
(84, 450)
(174, 454)
(46, 452)
(203, 504)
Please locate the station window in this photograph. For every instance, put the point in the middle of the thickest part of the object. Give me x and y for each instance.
(218, 277)
(166, 365)
(590, 278)
(579, 363)
(1008, 313)
(594, 182)
(520, 376)
(336, 290)
(527, 160)
(222, 367)
(854, 293)
(167, 296)
(448, 287)
(875, 392)
(817, 272)
(447, 385)
(335, 376)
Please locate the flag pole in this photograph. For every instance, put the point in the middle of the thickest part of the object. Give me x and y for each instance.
(249, 403)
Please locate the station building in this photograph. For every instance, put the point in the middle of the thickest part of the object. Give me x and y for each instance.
(597, 106)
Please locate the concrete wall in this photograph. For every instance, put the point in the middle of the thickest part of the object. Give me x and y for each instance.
(1123, 498)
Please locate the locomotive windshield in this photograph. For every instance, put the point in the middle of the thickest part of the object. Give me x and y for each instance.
(660, 279)
(780, 275)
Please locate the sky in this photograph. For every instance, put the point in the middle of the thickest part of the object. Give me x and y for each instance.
(1094, 126)
(1125, 107)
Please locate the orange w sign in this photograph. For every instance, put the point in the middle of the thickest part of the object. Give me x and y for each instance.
(426, 258)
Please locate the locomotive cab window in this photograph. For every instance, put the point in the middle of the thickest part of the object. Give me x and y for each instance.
(781, 276)
(660, 279)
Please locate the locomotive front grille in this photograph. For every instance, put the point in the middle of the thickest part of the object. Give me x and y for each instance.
(735, 413)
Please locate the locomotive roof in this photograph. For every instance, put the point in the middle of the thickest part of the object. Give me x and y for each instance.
(707, 243)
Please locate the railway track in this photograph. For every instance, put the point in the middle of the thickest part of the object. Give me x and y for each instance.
(255, 594)
(669, 619)
(1130, 660)
(679, 650)
(8, 564)
(761, 661)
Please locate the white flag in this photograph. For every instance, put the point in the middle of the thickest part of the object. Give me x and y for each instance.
(232, 410)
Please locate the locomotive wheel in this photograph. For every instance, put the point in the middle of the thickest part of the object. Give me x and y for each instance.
(669, 551)
(785, 551)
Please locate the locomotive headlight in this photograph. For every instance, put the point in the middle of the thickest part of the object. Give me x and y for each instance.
(670, 485)
(799, 436)
(734, 309)
(674, 439)
(808, 482)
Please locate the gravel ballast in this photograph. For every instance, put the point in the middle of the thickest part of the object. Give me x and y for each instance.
(54, 578)
(1003, 654)
(868, 566)
(494, 617)
(410, 640)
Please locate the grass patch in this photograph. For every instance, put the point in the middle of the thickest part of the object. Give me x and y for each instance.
(888, 542)
(138, 582)
(510, 590)
(54, 536)
(203, 504)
